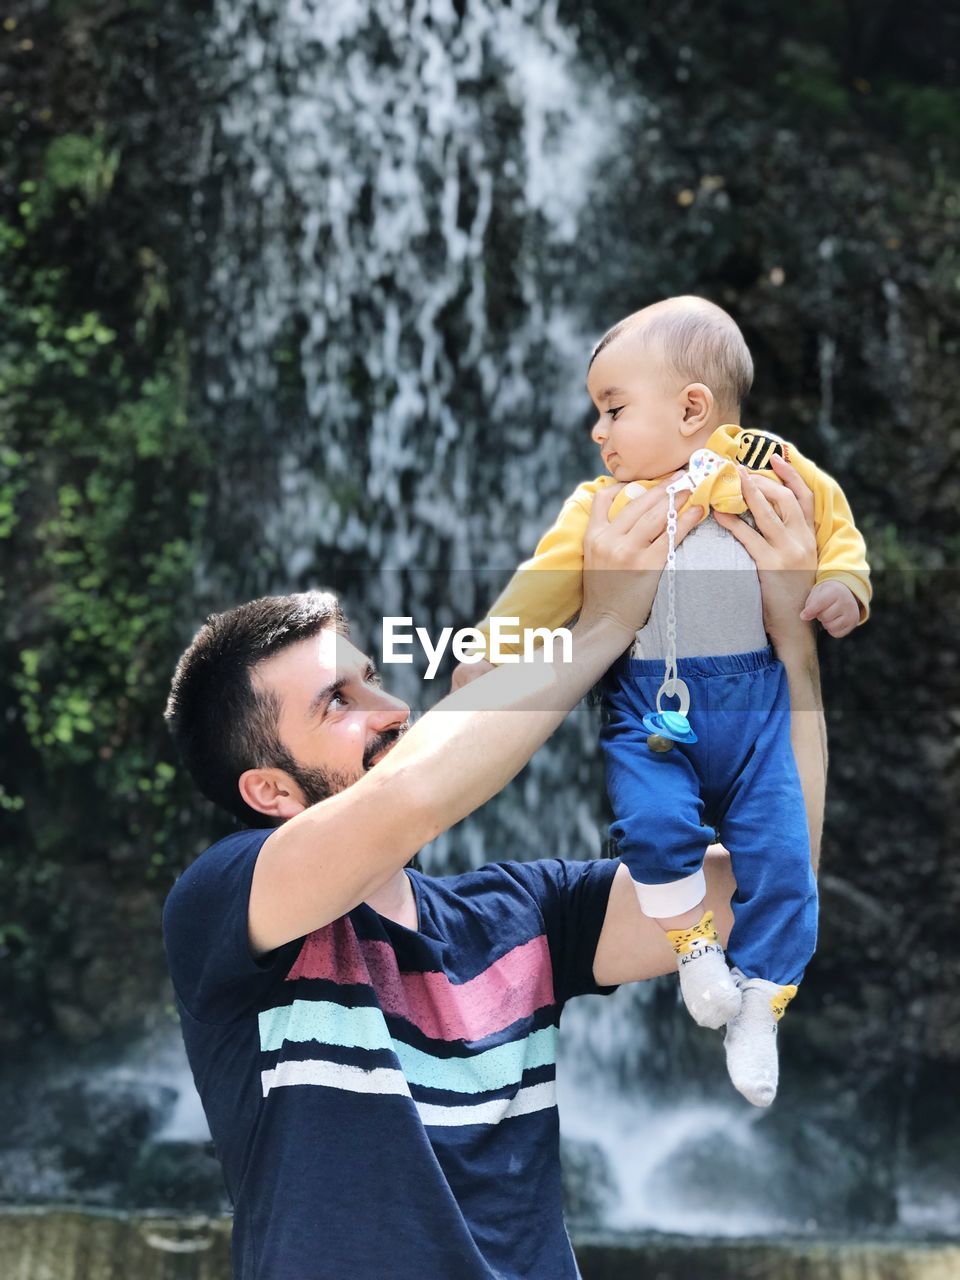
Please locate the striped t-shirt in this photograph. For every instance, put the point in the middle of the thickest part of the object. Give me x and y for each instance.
(382, 1099)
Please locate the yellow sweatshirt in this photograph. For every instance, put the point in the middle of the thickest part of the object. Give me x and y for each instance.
(546, 589)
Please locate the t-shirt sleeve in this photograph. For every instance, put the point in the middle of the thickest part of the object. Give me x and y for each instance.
(573, 899)
(215, 975)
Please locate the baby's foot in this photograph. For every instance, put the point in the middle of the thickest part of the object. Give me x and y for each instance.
(706, 984)
(751, 1039)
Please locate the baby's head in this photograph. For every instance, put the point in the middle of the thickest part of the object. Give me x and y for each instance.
(663, 380)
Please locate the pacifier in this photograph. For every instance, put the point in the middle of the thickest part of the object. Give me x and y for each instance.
(667, 727)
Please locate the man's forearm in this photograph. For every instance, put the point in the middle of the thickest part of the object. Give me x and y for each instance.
(476, 740)
(808, 733)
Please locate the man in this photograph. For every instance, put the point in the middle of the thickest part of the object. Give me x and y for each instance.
(375, 1048)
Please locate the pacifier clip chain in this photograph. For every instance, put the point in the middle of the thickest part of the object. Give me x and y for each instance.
(668, 727)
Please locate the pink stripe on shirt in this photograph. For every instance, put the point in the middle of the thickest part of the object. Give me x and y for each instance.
(513, 987)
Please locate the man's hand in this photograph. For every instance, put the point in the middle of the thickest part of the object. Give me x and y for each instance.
(836, 607)
(623, 558)
(783, 546)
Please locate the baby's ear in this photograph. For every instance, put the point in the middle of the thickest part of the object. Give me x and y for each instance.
(697, 402)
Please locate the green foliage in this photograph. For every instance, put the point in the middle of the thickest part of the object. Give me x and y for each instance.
(923, 113)
(102, 483)
(73, 165)
(816, 89)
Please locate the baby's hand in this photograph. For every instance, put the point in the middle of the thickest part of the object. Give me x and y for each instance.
(835, 605)
(464, 672)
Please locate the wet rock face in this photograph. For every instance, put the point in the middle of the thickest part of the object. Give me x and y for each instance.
(587, 1184)
(176, 1175)
(93, 1135)
(109, 975)
(83, 1143)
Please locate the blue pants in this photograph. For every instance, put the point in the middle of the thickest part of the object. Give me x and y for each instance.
(740, 777)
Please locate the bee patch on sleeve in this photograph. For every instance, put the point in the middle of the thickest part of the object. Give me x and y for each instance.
(754, 450)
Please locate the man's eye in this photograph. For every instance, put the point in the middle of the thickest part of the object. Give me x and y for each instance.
(337, 697)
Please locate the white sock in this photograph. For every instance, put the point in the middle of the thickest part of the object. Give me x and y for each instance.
(751, 1039)
(709, 991)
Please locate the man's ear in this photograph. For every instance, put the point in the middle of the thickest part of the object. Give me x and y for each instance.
(273, 792)
(697, 402)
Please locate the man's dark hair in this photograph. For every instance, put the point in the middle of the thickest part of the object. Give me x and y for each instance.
(221, 721)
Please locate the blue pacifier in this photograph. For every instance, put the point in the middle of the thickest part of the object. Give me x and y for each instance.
(669, 724)
(667, 727)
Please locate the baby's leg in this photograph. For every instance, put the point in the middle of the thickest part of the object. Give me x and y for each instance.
(708, 988)
(659, 834)
(763, 823)
(751, 1038)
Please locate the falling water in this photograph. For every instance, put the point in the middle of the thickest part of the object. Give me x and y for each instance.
(403, 199)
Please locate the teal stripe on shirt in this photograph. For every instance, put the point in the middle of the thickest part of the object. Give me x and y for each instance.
(493, 1069)
(360, 1028)
(365, 1028)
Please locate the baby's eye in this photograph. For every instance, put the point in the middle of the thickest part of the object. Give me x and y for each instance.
(614, 412)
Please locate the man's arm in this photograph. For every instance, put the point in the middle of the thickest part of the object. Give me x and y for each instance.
(323, 862)
(632, 946)
(808, 735)
(784, 548)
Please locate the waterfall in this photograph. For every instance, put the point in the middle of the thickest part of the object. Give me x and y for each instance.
(390, 314)
(402, 188)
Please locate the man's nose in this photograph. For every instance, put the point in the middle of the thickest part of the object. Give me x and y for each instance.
(388, 712)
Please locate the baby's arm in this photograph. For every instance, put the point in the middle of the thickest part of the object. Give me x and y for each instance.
(840, 598)
(834, 605)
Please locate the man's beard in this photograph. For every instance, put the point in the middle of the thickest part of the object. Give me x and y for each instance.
(321, 784)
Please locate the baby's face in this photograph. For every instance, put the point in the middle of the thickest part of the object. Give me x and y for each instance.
(641, 413)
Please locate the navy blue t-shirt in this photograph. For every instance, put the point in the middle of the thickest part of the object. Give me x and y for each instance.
(383, 1099)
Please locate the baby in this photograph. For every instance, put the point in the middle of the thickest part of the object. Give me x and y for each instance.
(668, 382)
